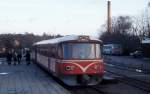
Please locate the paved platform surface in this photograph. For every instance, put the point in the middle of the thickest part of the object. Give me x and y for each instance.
(23, 79)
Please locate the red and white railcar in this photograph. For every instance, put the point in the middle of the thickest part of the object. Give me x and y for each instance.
(76, 60)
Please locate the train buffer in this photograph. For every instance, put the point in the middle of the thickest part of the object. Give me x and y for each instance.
(23, 79)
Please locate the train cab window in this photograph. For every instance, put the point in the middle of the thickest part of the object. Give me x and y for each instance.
(98, 51)
(66, 51)
(81, 51)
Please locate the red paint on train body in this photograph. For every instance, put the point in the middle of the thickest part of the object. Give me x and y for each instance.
(81, 67)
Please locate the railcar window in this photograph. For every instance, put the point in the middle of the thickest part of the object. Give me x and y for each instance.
(98, 51)
(67, 51)
(81, 51)
(59, 52)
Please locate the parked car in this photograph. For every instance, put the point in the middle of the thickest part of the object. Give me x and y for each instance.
(136, 54)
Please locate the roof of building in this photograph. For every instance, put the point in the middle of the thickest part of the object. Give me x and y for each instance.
(146, 40)
(63, 39)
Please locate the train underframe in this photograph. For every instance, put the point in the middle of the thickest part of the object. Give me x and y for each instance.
(81, 79)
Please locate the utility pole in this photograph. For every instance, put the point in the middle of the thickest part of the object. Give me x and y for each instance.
(109, 28)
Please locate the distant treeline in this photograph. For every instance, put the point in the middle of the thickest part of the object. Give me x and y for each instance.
(13, 41)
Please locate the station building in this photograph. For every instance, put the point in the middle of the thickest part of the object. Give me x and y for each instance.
(146, 48)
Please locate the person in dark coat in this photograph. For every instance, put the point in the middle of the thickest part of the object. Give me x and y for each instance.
(19, 56)
(9, 58)
(28, 58)
(15, 58)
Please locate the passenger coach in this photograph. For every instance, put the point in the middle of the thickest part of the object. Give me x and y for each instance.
(76, 60)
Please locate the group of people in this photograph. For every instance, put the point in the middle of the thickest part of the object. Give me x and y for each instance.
(15, 58)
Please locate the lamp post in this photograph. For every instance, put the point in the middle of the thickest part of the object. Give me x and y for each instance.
(109, 28)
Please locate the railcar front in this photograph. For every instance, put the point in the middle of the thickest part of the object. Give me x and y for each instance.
(82, 63)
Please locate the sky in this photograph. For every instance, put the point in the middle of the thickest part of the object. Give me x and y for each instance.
(63, 17)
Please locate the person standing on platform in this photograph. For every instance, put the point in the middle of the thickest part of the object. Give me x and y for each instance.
(15, 58)
(9, 57)
(19, 56)
(28, 58)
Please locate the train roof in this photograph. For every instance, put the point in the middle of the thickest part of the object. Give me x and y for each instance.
(146, 41)
(63, 39)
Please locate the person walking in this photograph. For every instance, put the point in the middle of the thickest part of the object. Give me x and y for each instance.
(28, 57)
(9, 57)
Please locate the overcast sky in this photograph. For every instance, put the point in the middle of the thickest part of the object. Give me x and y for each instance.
(62, 16)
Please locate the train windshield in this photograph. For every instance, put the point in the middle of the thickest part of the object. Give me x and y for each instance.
(81, 51)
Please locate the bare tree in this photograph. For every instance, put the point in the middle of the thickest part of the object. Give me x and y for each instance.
(122, 33)
(142, 23)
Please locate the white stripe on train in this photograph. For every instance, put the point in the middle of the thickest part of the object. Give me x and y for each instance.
(84, 68)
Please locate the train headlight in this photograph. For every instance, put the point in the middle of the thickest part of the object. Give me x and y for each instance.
(69, 68)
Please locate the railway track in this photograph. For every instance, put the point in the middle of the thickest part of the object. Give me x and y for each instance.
(86, 90)
(130, 68)
(132, 81)
(126, 70)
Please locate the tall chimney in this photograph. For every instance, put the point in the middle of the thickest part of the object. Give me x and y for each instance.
(109, 28)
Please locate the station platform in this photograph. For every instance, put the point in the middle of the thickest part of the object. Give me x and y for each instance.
(27, 79)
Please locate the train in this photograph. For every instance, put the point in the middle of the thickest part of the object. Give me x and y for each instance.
(74, 59)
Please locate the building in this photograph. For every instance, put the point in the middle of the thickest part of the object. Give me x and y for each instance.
(146, 48)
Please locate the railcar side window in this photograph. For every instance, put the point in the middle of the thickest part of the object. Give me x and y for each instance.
(59, 52)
